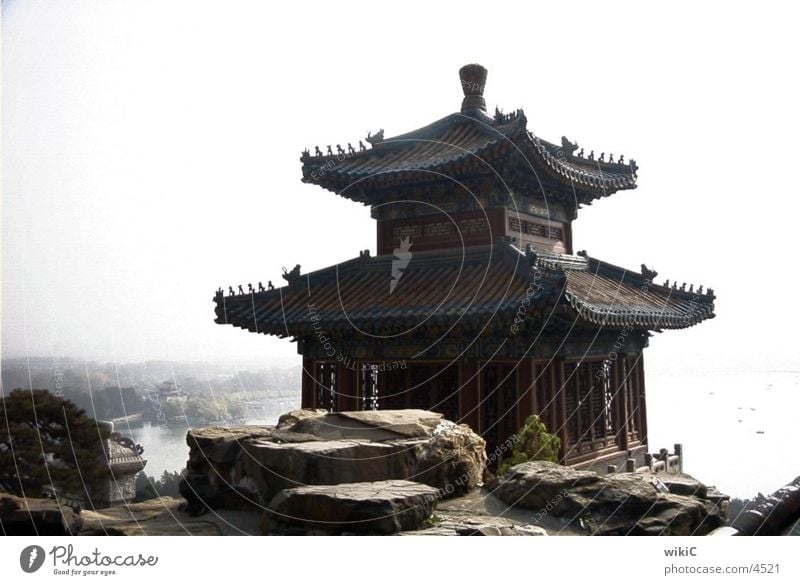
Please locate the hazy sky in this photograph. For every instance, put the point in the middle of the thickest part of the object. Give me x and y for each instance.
(151, 154)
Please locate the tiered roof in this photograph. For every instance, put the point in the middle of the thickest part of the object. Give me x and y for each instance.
(469, 288)
(465, 286)
(467, 145)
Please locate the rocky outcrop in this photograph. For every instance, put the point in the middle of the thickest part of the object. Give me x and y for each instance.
(444, 525)
(37, 517)
(381, 507)
(624, 503)
(210, 481)
(248, 466)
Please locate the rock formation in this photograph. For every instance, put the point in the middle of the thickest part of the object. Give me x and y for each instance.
(248, 466)
(614, 504)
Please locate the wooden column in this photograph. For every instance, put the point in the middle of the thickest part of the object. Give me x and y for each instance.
(469, 394)
(526, 375)
(308, 394)
(642, 399)
(561, 405)
(620, 392)
(346, 387)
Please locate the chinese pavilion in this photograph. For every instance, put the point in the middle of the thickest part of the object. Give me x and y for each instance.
(475, 304)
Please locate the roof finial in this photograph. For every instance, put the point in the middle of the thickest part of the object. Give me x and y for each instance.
(473, 81)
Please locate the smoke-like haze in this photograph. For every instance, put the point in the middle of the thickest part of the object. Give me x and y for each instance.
(151, 154)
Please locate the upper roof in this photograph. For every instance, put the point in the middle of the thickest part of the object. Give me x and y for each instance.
(467, 144)
(470, 287)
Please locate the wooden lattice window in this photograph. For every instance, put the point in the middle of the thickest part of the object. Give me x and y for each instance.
(369, 387)
(326, 386)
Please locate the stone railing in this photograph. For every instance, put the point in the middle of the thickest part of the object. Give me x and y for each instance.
(661, 462)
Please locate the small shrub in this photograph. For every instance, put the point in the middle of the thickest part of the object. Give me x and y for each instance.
(534, 444)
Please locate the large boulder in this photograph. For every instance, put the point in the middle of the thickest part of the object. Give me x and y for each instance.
(37, 517)
(248, 466)
(453, 459)
(277, 466)
(210, 481)
(624, 503)
(382, 507)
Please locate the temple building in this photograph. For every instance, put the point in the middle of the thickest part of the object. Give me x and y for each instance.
(475, 304)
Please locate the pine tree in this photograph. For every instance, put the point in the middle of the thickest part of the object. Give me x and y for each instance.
(47, 444)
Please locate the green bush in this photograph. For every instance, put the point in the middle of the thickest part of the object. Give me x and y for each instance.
(534, 443)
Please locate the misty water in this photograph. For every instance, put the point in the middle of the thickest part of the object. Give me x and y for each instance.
(735, 429)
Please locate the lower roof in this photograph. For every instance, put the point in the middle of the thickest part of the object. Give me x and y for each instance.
(470, 287)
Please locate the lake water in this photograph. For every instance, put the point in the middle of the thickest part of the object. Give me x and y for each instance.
(165, 445)
(738, 430)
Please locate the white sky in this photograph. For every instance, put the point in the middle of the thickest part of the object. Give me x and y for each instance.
(151, 154)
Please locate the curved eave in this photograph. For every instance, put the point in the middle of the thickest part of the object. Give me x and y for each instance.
(650, 320)
(609, 295)
(593, 178)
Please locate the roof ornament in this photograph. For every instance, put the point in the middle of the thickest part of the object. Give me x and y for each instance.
(270, 286)
(241, 290)
(583, 253)
(683, 287)
(591, 155)
(580, 154)
(305, 153)
(666, 283)
(602, 157)
(611, 157)
(473, 82)
(375, 140)
(250, 288)
(634, 166)
(350, 149)
(567, 147)
(361, 146)
(648, 273)
(330, 152)
(700, 289)
(291, 275)
(621, 159)
(339, 149)
(317, 151)
(230, 291)
(260, 287)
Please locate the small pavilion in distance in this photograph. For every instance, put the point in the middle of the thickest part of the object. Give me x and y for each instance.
(476, 304)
